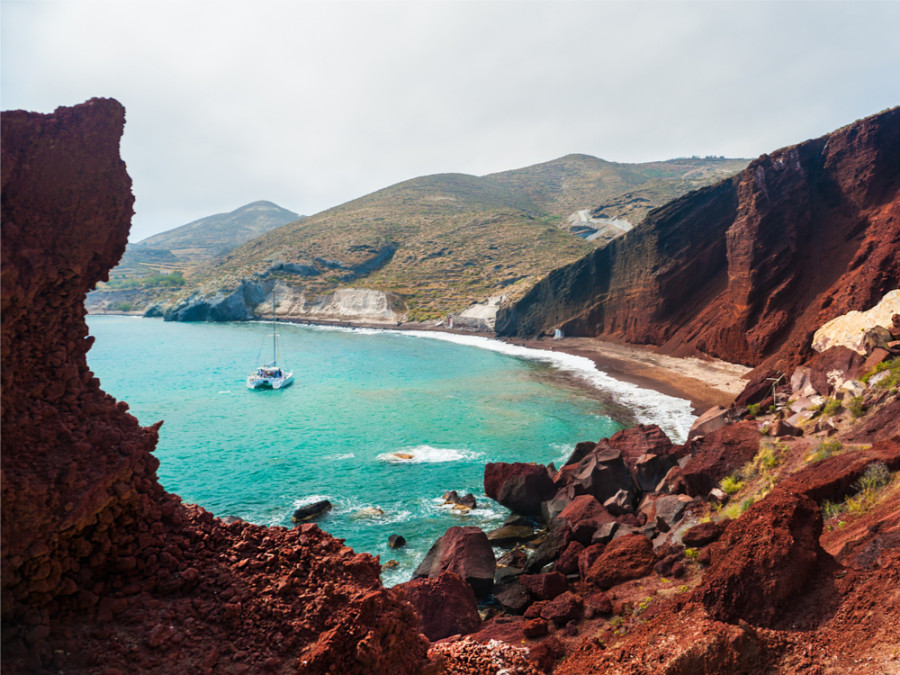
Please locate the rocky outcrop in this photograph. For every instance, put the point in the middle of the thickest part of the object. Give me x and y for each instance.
(849, 330)
(444, 604)
(252, 299)
(736, 270)
(101, 568)
(763, 559)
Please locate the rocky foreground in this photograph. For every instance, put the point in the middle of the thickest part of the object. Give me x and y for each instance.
(769, 541)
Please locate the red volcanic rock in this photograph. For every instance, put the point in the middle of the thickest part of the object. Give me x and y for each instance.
(838, 362)
(735, 270)
(568, 561)
(625, 558)
(643, 439)
(833, 478)
(544, 586)
(445, 605)
(763, 559)
(719, 454)
(102, 570)
(597, 603)
(564, 608)
(584, 515)
(711, 420)
(519, 487)
(534, 628)
(704, 533)
(587, 557)
(465, 551)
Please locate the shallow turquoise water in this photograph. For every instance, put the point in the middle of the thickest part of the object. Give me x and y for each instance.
(358, 396)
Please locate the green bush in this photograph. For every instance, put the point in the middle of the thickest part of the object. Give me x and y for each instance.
(753, 409)
(832, 407)
(856, 407)
(826, 449)
(731, 484)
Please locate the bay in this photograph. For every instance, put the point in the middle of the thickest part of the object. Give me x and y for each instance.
(359, 397)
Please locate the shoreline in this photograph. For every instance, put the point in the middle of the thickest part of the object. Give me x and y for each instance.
(705, 383)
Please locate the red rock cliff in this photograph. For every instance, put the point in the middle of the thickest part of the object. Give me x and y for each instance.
(100, 566)
(747, 269)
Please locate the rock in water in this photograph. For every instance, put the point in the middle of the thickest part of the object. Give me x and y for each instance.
(396, 541)
(465, 551)
(312, 511)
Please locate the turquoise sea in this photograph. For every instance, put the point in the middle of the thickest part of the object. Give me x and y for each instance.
(452, 402)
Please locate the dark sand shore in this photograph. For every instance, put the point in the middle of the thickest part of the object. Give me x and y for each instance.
(705, 383)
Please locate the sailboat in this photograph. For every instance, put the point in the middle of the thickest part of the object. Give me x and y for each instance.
(271, 375)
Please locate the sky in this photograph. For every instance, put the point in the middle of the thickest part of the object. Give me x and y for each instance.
(312, 104)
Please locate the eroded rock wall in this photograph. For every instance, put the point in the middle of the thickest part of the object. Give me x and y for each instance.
(747, 269)
(100, 566)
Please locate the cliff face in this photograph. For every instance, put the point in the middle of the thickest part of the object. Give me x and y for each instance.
(747, 269)
(100, 566)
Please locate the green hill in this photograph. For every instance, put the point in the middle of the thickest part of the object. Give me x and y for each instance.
(183, 248)
(445, 241)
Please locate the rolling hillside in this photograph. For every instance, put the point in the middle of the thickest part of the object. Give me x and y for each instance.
(444, 242)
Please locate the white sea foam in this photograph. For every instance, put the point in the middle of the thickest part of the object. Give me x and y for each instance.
(673, 415)
(427, 454)
(342, 456)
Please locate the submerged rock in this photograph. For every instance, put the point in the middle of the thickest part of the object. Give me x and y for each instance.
(312, 511)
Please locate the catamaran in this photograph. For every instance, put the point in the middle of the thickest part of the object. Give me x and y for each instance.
(271, 375)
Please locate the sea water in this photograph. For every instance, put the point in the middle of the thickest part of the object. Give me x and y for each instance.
(360, 397)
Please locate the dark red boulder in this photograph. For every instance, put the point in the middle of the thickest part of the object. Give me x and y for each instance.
(563, 608)
(545, 586)
(587, 557)
(519, 487)
(763, 559)
(568, 561)
(625, 558)
(704, 533)
(584, 515)
(718, 454)
(640, 440)
(465, 551)
(445, 605)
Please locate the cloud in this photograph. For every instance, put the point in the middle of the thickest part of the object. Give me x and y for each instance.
(310, 104)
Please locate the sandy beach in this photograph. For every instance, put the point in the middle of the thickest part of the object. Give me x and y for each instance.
(705, 383)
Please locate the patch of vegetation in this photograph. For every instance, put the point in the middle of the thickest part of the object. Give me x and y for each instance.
(754, 409)
(731, 484)
(691, 553)
(866, 492)
(891, 364)
(825, 449)
(172, 280)
(770, 456)
(832, 407)
(856, 407)
(121, 306)
(642, 606)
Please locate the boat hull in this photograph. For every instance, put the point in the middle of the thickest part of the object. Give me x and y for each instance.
(258, 382)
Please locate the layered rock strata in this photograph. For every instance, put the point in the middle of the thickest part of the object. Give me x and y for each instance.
(101, 568)
(747, 269)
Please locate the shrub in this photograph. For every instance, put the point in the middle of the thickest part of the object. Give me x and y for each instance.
(731, 484)
(856, 407)
(691, 553)
(825, 449)
(832, 406)
(753, 409)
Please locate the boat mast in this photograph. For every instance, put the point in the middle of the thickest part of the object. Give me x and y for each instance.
(274, 332)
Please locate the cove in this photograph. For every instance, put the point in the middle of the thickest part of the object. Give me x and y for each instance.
(359, 397)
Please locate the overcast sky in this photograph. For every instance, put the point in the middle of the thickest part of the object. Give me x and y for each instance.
(311, 104)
